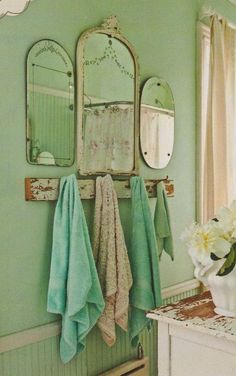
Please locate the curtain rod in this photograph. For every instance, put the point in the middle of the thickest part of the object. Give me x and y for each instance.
(158, 109)
(208, 12)
(107, 103)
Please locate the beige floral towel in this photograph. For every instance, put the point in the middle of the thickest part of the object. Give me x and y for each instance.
(111, 259)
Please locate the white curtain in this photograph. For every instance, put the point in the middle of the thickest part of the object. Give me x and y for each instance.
(157, 136)
(219, 178)
(108, 139)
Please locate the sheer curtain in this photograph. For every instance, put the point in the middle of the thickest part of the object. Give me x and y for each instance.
(108, 137)
(219, 170)
(157, 133)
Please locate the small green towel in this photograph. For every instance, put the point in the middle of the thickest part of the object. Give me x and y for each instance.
(162, 223)
(146, 290)
(74, 288)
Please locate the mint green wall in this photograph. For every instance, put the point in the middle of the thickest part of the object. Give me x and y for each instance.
(163, 34)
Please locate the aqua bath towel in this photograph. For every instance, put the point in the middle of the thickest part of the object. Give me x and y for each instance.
(146, 290)
(74, 289)
(162, 223)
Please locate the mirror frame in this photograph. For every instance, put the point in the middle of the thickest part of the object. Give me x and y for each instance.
(110, 27)
(145, 83)
(27, 139)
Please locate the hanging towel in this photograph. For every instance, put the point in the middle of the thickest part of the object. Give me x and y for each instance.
(162, 223)
(74, 288)
(146, 290)
(112, 260)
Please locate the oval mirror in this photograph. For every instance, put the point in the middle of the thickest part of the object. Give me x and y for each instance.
(107, 102)
(50, 105)
(157, 122)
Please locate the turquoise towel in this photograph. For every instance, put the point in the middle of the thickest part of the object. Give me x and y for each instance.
(146, 290)
(74, 289)
(162, 223)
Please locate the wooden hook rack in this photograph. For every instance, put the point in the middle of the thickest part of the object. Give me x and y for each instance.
(46, 189)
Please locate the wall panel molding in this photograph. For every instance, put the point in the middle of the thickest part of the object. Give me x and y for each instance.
(41, 333)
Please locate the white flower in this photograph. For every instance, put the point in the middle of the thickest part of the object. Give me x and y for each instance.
(227, 219)
(202, 240)
(211, 245)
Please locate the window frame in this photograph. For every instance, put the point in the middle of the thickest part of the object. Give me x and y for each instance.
(203, 37)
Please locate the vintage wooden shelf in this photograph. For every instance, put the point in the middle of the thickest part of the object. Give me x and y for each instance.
(194, 340)
(46, 189)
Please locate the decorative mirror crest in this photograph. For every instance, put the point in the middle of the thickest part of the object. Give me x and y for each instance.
(111, 23)
(13, 7)
(108, 102)
(109, 53)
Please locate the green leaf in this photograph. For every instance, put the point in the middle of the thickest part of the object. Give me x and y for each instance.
(214, 257)
(230, 262)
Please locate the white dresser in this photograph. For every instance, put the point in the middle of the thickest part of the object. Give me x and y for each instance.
(193, 340)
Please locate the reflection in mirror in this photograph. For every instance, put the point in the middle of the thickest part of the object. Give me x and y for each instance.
(50, 105)
(107, 124)
(157, 122)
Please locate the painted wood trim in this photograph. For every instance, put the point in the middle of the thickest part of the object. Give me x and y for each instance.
(48, 91)
(163, 349)
(29, 336)
(202, 338)
(40, 333)
(46, 189)
(203, 33)
(136, 367)
(180, 288)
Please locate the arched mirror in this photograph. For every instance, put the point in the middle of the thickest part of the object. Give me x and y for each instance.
(50, 105)
(107, 102)
(157, 117)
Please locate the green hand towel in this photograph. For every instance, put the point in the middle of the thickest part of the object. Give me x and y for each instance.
(74, 289)
(162, 223)
(146, 290)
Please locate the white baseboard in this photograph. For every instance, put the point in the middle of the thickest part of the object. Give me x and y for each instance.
(180, 288)
(41, 333)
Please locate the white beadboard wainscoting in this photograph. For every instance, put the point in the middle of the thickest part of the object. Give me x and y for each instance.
(35, 352)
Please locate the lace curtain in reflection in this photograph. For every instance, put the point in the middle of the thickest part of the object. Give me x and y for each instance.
(108, 136)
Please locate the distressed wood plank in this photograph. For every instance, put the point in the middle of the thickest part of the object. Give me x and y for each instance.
(46, 189)
(197, 313)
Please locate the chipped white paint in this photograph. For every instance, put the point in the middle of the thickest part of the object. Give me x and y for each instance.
(198, 314)
(195, 331)
(37, 189)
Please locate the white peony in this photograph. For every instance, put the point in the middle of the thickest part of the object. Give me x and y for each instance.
(227, 219)
(202, 240)
(212, 246)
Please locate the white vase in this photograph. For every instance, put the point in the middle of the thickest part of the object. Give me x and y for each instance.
(222, 288)
(223, 292)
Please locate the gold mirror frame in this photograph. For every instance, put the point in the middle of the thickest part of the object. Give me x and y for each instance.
(110, 27)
